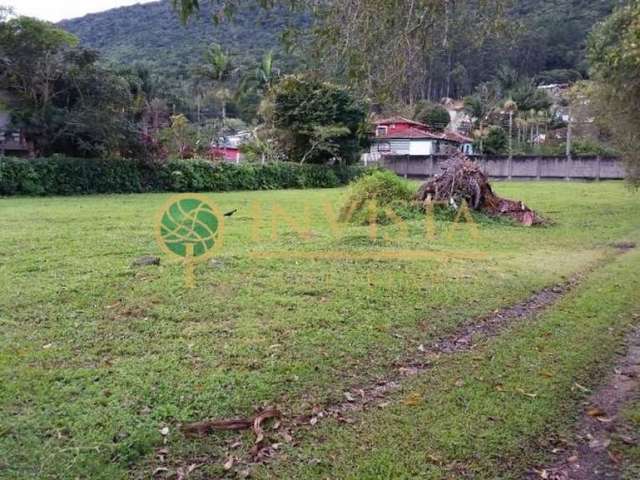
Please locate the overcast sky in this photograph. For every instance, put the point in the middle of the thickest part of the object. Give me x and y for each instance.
(56, 10)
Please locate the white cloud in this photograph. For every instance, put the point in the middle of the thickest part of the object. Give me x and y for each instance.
(56, 10)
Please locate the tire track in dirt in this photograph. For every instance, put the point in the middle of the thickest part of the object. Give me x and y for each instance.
(590, 457)
(359, 399)
(464, 339)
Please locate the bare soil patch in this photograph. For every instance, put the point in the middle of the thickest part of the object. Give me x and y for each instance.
(591, 456)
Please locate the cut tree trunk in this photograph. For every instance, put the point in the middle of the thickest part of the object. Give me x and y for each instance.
(463, 180)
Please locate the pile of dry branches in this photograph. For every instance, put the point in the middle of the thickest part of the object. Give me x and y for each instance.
(463, 180)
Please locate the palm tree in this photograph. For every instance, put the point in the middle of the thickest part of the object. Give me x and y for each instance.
(261, 80)
(219, 68)
(265, 73)
(510, 107)
(507, 79)
(481, 105)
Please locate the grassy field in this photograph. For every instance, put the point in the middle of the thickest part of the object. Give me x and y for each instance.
(96, 357)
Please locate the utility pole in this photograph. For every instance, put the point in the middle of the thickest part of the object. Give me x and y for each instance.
(510, 134)
(510, 106)
(569, 160)
(569, 135)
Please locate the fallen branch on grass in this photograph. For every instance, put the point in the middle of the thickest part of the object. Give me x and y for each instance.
(209, 426)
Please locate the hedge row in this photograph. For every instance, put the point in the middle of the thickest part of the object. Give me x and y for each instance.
(74, 176)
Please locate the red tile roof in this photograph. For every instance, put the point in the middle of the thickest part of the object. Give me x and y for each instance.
(455, 137)
(410, 133)
(398, 119)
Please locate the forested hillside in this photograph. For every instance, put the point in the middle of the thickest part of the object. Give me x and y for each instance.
(152, 34)
(544, 36)
(553, 33)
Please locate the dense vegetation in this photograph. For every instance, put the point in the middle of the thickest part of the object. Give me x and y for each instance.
(168, 91)
(153, 35)
(63, 100)
(443, 48)
(59, 175)
(614, 54)
(174, 53)
(316, 121)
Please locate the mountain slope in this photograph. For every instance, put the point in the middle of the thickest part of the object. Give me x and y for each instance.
(551, 36)
(152, 34)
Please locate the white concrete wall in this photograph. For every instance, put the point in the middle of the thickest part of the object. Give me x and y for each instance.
(421, 147)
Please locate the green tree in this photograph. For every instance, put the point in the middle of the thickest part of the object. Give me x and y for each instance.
(495, 143)
(93, 116)
(529, 97)
(219, 69)
(266, 74)
(507, 78)
(60, 97)
(315, 121)
(614, 54)
(180, 136)
(480, 106)
(31, 52)
(255, 84)
(385, 54)
(433, 115)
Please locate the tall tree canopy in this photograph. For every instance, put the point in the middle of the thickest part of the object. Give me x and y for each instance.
(614, 53)
(59, 96)
(390, 50)
(405, 50)
(315, 121)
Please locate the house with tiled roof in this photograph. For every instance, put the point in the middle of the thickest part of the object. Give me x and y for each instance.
(402, 136)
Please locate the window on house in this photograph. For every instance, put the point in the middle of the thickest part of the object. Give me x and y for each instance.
(381, 131)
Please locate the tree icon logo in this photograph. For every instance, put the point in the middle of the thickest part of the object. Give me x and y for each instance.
(190, 228)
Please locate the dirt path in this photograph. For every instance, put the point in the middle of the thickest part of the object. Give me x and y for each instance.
(464, 339)
(290, 426)
(591, 458)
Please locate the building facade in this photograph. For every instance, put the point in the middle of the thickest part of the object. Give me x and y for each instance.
(401, 136)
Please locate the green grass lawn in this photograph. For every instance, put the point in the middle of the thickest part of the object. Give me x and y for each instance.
(96, 356)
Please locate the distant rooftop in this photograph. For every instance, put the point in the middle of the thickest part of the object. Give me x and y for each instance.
(409, 133)
(399, 119)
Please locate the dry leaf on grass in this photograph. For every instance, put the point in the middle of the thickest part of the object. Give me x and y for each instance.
(159, 470)
(522, 392)
(596, 412)
(604, 419)
(183, 473)
(258, 419)
(580, 387)
(616, 457)
(203, 428)
(413, 400)
(349, 397)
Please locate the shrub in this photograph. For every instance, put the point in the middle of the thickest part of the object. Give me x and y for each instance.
(495, 142)
(373, 196)
(316, 121)
(433, 115)
(59, 175)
